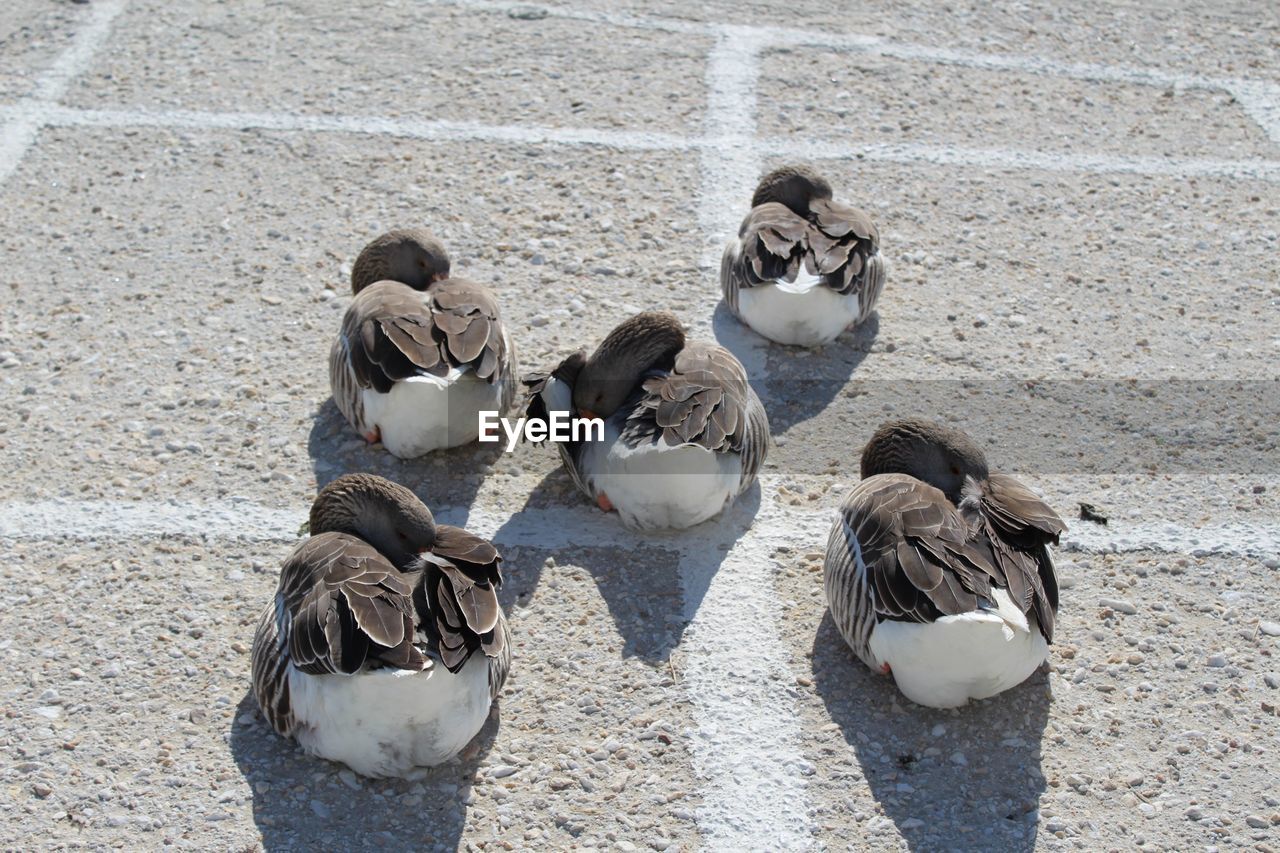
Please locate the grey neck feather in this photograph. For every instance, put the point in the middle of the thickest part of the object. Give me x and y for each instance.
(944, 458)
(791, 186)
(405, 264)
(362, 508)
(616, 367)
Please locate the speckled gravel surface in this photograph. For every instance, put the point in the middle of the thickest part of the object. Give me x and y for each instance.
(406, 59)
(1193, 37)
(1152, 727)
(884, 99)
(176, 247)
(31, 35)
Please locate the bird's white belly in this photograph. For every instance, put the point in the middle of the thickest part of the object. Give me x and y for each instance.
(425, 413)
(390, 722)
(946, 663)
(657, 486)
(801, 313)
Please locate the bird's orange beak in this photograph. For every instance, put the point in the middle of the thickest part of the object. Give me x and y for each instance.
(587, 413)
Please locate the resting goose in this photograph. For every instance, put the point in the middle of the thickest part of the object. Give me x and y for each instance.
(804, 267)
(385, 643)
(420, 354)
(684, 434)
(938, 571)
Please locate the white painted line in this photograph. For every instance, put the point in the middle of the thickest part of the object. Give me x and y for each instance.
(91, 520)
(431, 130)
(772, 36)
(16, 137)
(570, 526)
(76, 59)
(1022, 64)
(1004, 159)
(1231, 539)
(721, 149)
(730, 166)
(730, 169)
(1262, 102)
(746, 749)
(24, 122)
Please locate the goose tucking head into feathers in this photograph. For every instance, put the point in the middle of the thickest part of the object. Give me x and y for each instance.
(938, 570)
(347, 656)
(647, 341)
(804, 267)
(944, 458)
(684, 433)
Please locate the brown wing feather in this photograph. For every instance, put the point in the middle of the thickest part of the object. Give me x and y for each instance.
(348, 605)
(838, 219)
(388, 332)
(1019, 513)
(1019, 527)
(393, 332)
(913, 543)
(772, 237)
(463, 576)
(703, 400)
(839, 244)
(467, 314)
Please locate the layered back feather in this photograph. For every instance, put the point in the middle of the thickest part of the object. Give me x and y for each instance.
(392, 332)
(704, 399)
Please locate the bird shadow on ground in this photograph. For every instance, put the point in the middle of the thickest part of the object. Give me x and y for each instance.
(802, 383)
(656, 592)
(797, 383)
(449, 477)
(652, 581)
(524, 559)
(967, 778)
(706, 546)
(300, 802)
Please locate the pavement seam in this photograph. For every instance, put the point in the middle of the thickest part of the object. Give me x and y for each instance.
(1260, 99)
(748, 749)
(250, 521)
(33, 116)
(23, 122)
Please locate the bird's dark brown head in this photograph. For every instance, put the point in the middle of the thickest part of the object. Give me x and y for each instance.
(645, 341)
(940, 456)
(412, 256)
(793, 186)
(385, 514)
(571, 368)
